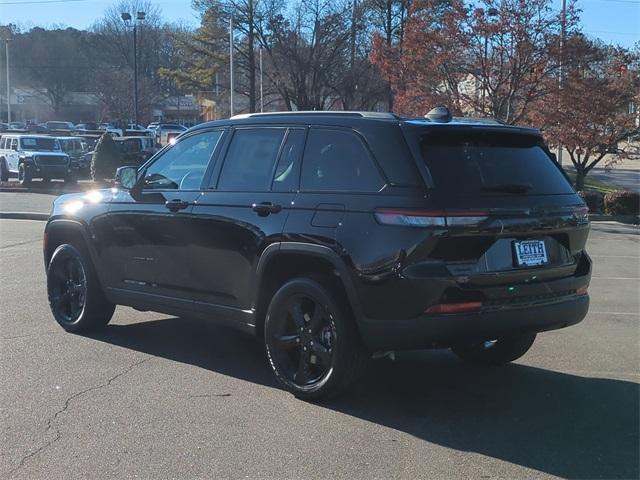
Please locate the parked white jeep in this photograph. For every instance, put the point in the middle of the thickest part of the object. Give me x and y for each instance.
(34, 156)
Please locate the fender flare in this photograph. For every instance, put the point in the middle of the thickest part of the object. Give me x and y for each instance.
(310, 249)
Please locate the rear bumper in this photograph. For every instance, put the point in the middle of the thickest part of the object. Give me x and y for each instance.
(490, 323)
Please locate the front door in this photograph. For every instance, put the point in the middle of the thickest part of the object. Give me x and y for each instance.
(149, 234)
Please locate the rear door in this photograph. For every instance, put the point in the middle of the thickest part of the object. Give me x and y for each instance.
(243, 211)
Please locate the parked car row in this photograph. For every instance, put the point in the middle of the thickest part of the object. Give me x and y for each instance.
(28, 156)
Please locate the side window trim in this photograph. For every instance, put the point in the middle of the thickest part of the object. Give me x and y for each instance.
(305, 131)
(366, 147)
(224, 151)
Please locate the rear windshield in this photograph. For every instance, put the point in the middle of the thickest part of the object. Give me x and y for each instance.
(472, 163)
(39, 143)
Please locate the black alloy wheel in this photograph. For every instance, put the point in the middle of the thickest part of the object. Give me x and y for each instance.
(303, 337)
(76, 297)
(68, 290)
(311, 339)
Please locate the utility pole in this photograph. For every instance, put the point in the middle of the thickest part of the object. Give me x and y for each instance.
(261, 91)
(563, 32)
(126, 18)
(6, 47)
(135, 75)
(231, 65)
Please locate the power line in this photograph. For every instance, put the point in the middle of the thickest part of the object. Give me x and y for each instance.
(633, 2)
(42, 2)
(613, 33)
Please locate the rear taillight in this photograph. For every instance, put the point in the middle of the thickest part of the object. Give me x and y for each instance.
(45, 241)
(430, 218)
(454, 307)
(581, 214)
(582, 291)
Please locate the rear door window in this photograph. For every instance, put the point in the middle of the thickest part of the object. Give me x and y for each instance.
(337, 160)
(472, 163)
(248, 165)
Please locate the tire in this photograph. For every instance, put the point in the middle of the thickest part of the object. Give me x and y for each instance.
(71, 179)
(4, 171)
(496, 352)
(310, 333)
(24, 175)
(75, 295)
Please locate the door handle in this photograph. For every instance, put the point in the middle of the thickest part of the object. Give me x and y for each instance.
(175, 205)
(265, 208)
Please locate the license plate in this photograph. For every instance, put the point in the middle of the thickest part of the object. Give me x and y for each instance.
(530, 253)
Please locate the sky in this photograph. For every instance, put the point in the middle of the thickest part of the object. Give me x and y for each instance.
(614, 21)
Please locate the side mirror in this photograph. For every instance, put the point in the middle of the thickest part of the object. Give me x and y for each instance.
(126, 177)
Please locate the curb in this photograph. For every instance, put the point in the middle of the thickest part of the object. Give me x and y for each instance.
(632, 219)
(42, 217)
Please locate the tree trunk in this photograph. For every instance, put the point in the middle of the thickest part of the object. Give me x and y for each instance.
(580, 176)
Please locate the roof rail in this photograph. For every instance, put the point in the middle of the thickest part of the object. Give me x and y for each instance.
(336, 113)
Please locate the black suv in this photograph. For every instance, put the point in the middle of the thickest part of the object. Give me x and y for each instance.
(334, 236)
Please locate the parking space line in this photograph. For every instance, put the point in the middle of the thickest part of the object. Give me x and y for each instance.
(614, 313)
(616, 256)
(615, 278)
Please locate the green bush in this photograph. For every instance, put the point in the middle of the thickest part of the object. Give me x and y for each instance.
(622, 203)
(594, 200)
(106, 159)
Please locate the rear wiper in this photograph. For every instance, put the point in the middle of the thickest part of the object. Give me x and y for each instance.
(507, 187)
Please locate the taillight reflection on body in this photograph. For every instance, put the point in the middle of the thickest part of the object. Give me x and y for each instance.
(454, 307)
(430, 218)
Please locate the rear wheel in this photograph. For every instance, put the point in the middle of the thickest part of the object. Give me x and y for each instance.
(4, 171)
(311, 340)
(75, 294)
(24, 175)
(71, 179)
(495, 352)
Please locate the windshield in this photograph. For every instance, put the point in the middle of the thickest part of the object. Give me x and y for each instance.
(58, 125)
(39, 143)
(129, 146)
(490, 163)
(71, 145)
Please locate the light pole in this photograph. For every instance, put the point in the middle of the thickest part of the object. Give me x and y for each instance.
(231, 65)
(261, 91)
(6, 48)
(563, 33)
(492, 12)
(126, 17)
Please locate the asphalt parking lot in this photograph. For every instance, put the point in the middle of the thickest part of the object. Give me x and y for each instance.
(159, 397)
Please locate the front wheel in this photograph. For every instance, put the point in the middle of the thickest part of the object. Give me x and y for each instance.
(75, 294)
(71, 179)
(24, 175)
(495, 352)
(311, 340)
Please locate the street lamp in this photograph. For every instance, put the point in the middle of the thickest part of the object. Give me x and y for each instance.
(492, 12)
(6, 46)
(126, 17)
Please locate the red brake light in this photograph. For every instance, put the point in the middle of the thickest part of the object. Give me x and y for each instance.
(430, 218)
(454, 307)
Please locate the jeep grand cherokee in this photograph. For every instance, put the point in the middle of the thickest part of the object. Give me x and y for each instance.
(334, 236)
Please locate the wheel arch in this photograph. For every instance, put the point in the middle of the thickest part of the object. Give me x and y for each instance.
(65, 230)
(282, 261)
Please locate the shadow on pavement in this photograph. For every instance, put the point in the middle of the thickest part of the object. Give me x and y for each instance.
(553, 422)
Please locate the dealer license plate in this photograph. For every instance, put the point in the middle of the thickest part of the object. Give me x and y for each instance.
(530, 253)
